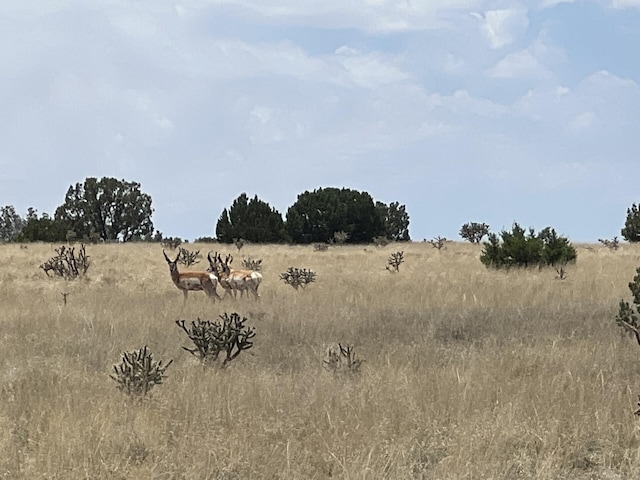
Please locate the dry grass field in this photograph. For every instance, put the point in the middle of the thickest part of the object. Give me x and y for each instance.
(467, 374)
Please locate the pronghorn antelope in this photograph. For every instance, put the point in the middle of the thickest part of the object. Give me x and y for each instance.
(224, 283)
(237, 280)
(195, 281)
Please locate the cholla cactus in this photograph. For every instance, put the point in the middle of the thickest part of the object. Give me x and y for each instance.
(394, 262)
(171, 242)
(229, 334)
(297, 277)
(251, 264)
(339, 359)
(138, 373)
(188, 258)
(438, 242)
(613, 244)
(67, 264)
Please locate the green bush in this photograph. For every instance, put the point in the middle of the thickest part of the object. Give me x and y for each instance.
(631, 230)
(520, 248)
(474, 232)
(629, 316)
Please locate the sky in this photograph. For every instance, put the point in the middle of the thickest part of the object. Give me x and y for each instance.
(462, 110)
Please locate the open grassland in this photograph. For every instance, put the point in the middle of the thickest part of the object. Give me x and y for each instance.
(468, 373)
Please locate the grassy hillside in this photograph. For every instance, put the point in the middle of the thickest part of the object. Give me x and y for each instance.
(468, 373)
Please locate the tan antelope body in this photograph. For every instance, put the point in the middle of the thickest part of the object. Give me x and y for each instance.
(224, 283)
(193, 281)
(235, 280)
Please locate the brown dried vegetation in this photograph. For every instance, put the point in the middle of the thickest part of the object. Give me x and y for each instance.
(469, 372)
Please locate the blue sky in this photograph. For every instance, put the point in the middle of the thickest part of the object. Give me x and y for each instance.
(462, 110)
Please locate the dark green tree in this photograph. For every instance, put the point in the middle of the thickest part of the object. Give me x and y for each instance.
(631, 230)
(108, 209)
(629, 315)
(224, 232)
(395, 220)
(474, 232)
(556, 250)
(42, 229)
(521, 248)
(252, 220)
(316, 216)
(10, 223)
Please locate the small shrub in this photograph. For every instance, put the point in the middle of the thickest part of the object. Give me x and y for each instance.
(520, 248)
(228, 335)
(339, 359)
(251, 264)
(239, 243)
(71, 236)
(188, 258)
(556, 250)
(93, 237)
(320, 247)
(612, 244)
(474, 232)
(381, 241)
(394, 262)
(340, 238)
(629, 315)
(138, 373)
(171, 242)
(438, 242)
(205, 240)
(67, 264)
(297, 277)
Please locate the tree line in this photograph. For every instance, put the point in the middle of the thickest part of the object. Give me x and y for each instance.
(109, 209)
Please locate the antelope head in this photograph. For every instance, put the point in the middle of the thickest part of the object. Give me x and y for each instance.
(213, 263)
(225, 270)
(173, 265)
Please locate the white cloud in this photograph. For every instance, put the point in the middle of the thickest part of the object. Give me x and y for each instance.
(532, 62)
(369, 70)
(453, 65)
(581, 122)
(602, 80)
(381, 16)
(262, 114)
(519, 64)
(618, 4)
(625, 3)
(504, 27)
(553, 3)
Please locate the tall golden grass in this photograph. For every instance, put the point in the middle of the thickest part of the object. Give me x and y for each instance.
(468, 373)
